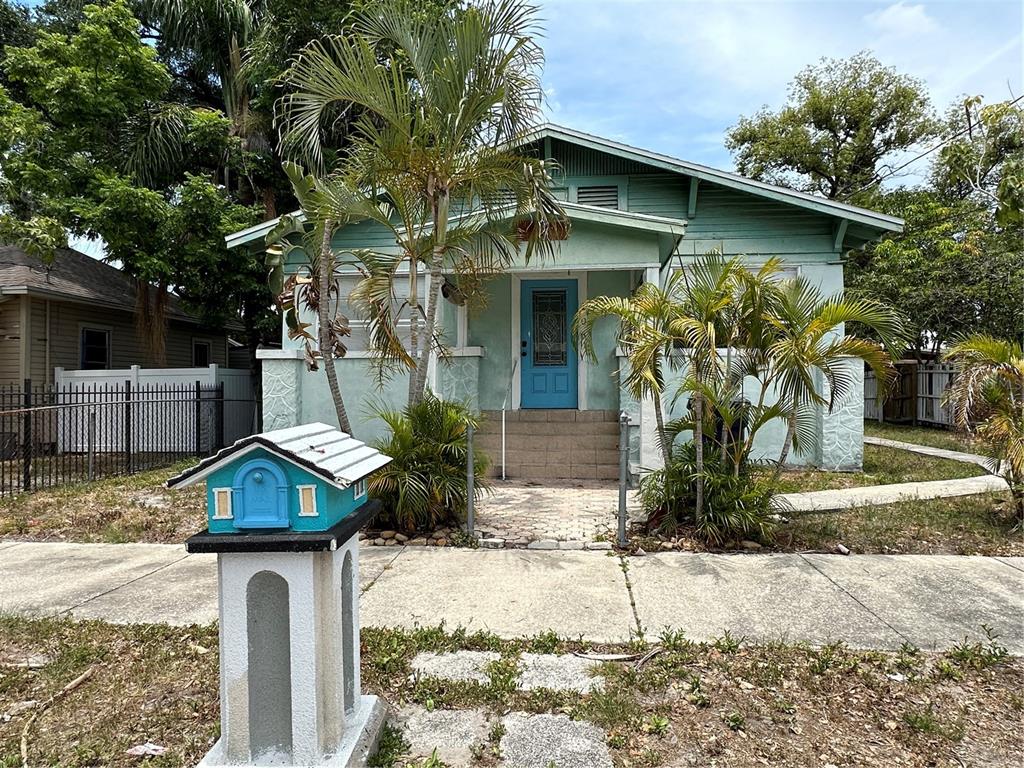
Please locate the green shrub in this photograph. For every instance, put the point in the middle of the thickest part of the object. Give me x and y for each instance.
(735, 505)
(424, 486)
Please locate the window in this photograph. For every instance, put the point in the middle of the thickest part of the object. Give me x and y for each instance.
(359, 489)
(222, 504)
(201, 353)
(95, 349)
(307, 501)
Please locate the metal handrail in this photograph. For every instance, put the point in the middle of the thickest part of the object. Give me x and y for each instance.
(504, 406)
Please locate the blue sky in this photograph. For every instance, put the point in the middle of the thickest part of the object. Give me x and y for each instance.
(674, 75)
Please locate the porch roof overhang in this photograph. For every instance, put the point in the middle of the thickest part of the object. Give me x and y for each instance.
(661, 225)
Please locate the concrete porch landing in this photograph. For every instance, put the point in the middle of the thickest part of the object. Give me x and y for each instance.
(555, 514)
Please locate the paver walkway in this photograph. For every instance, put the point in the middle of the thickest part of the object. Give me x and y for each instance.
(868, 601)
(559, 510)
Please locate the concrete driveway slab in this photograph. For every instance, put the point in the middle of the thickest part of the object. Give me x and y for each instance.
(185, 592)
(49, 578)
(935, 601)
(763, 597)
(508, 592)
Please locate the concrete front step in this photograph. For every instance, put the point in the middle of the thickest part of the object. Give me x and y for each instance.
(552, 414)
(555, 471)
(552, 444)
(580, 428)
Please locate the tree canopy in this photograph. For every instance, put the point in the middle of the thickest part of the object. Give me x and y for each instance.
(844, 122)
(847, 127)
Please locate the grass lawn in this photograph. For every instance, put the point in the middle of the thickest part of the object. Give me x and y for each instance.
(116, 510)
(882, 466)
(936, 438)
(724, 703)
(965, 525)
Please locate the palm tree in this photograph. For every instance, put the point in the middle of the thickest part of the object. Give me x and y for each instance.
(987, 398)
(804, 339)
(435, 138)
(647, 310)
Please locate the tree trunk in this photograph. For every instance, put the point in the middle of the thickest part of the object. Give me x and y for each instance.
(786, 445)
(666, 449)
(324, 315)
(436, 274)
(428, 330)
(698, 436)
(414, 319)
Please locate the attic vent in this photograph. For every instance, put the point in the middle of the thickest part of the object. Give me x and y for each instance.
(606, 196)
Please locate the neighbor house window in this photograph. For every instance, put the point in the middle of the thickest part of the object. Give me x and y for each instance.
(307, 501)
(95, 349)
(201, 353)
(359, 489)
(222, 504)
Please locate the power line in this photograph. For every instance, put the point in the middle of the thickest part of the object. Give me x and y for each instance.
(927, 152)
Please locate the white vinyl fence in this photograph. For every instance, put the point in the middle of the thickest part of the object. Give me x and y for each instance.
(157, 410)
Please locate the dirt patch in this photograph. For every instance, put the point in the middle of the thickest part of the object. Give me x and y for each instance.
(116, 510)
(720, 703)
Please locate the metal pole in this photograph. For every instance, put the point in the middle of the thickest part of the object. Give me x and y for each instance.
(470, 522)
(623, 464)
(502, 443)
(26, 446)
(92, 443)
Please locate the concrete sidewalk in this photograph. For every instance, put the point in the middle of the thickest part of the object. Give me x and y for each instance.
(868, 601)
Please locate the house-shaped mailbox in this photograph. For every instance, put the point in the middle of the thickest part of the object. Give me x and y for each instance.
(284, 510)
(305, 478)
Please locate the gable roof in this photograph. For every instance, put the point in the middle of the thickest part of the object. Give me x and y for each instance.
(716, 176)
(320, 449)
(842, 211)
(74, 276)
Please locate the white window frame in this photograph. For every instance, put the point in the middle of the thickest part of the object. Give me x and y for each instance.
(359, 489)
(303, 511)
(222, 504)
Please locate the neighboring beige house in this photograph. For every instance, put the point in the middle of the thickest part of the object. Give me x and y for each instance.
(80, 314)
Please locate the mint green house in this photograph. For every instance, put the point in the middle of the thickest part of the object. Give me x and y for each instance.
(636, 215)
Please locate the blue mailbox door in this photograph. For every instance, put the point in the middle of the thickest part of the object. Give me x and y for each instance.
(260, 496)
(548, 357)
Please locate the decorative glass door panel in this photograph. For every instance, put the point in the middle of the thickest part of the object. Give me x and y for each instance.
(547, 356)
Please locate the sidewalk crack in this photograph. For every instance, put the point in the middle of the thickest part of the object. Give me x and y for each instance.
(125, 584)
(624, 566)
(387, 566)
(855, 599)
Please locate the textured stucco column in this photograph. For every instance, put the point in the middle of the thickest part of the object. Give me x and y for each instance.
(459, 378)
(841, 440)
(282, 387)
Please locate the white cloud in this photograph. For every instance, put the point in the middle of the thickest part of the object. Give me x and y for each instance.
(902, 20)
(674, 75)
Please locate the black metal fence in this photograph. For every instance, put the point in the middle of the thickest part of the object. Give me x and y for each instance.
(52, 436)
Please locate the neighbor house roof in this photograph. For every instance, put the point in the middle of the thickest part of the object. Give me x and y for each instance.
(74, 276)
(318, 448)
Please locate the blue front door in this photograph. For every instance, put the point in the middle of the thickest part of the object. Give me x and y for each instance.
(548, 357)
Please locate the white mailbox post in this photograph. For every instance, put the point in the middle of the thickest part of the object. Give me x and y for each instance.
(285, 509)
